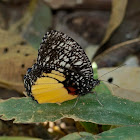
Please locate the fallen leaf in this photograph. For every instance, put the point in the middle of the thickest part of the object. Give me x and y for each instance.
(118, 53)
(127, 78)
(90, 4)
(128, 29)
(117, 15)
(15, 57)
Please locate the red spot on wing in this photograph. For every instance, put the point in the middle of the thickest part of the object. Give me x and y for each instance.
(71, 90)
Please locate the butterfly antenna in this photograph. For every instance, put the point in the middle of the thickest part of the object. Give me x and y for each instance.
(111, 83)
(112, 70)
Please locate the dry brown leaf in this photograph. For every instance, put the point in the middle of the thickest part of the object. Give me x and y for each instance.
(117, 15)
(15, 57)
(118, 53)
(127, 78)
(86, 4)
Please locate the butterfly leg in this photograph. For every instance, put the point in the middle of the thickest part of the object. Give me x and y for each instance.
(78, 97)
(77, 101)
(97, 97)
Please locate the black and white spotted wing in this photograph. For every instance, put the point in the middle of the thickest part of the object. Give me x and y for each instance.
(60, 52)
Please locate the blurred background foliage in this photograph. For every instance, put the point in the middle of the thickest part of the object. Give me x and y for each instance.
(108, 31)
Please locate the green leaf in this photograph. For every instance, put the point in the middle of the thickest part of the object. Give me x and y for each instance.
(95, 128)
(115, 111)
(122, 133)
(79, 136)
(90, 127)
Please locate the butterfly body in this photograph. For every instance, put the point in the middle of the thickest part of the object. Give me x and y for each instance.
(62, 59)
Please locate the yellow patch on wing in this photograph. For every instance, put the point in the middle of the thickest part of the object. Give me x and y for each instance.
(49, 90)
(45, 80)
(55, 74)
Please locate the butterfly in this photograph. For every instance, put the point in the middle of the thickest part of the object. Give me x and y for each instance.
(62, 70)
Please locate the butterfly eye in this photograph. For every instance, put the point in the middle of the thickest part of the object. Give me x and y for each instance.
(29, 70)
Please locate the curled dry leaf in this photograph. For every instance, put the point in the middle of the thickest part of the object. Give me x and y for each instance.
(118, 53)
(117, 15)
(93, 25)
(128, 29)
(85, 4)
(15, 57)
(127, 78)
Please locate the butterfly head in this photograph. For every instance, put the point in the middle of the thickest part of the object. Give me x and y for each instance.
(96, 82)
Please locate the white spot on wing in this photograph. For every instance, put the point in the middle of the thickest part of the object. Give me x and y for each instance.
(61, 70)
(61, 56)
(39, 57)
(73, 57)
(61, 44)
(47, 58)
(68, 65)
(70, 48)
(53, 46)
(78, 63)
(44, 64)
(66, 60)
(62, 63)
